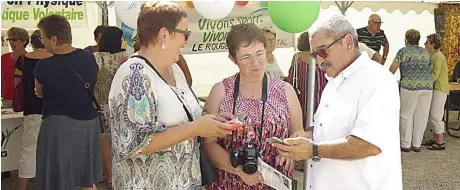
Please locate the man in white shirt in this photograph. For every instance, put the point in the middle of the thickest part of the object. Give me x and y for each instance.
(370, 52)
(355, 143)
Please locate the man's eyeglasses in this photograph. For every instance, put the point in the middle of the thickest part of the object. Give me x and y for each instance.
(185, 33)
(247, 59)
(322, 52)
(11, 39)
(378, 23)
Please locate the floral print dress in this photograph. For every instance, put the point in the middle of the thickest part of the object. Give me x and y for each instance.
(142, 104)
(276, 124)
(108, 64)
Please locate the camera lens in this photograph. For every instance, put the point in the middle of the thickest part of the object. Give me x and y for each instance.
(250, 168)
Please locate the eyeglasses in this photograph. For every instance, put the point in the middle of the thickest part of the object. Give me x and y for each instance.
(247, 59)
(12, 39)
(378, 23)
(322, 52)
(185, 33)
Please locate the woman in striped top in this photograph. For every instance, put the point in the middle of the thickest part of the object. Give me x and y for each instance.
(298, 75)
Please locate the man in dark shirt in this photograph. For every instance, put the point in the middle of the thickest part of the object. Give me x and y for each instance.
(374, 37)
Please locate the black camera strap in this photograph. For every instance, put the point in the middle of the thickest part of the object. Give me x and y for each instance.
(236, 92)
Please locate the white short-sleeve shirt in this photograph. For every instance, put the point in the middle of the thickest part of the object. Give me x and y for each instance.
(364, 48)
(362, 101)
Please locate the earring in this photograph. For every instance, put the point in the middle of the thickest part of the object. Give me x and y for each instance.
(163, 45)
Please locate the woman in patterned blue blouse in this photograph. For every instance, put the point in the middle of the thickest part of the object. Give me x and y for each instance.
(413, 62)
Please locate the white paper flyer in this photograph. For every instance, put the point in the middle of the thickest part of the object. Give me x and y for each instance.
(274, 178)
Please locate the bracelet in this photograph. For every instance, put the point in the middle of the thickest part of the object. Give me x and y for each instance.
(17, 76)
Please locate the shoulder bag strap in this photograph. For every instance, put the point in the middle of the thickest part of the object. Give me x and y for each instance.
(189, 116)
(87, 85)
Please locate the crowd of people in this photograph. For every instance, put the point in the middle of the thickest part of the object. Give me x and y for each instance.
(156, 132)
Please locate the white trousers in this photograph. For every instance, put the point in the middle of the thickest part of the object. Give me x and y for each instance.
(437, 111)
(31, 128)
(415, 109)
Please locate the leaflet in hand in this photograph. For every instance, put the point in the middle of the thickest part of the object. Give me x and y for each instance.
(273, 177)
(237, 122)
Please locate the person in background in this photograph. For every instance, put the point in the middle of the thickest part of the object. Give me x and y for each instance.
(354, 145)
(272, 67)
(137, 46)
(416, 90)
(184, 67)
(374, 37)
(32, 109)
(456, 73)
(154, 117)
(243, 94)
(298, 76)
(439, 75)
(18, 39)
(109, 58)
(370, 52)
(97, 34)
(69, 143)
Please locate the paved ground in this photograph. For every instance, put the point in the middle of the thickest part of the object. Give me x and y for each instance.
(426, 170)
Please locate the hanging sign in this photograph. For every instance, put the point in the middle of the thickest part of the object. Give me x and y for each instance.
(26, 14)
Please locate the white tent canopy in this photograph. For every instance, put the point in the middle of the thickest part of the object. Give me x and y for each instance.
(398, 17)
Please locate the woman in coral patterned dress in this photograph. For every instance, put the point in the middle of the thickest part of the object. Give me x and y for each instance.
(280, 109)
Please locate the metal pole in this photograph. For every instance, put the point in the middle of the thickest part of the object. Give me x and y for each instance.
(310, 110)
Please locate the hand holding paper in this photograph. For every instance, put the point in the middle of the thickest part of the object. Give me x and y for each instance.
(298, 148)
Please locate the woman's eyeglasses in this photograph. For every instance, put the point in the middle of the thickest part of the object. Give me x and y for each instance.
(11, 39)
(185, 33)
(322, 52)
(247, 59)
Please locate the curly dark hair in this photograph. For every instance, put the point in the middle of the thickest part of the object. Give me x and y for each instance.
(110, 40)
(303, 42)
(35, 40)
(436, 40)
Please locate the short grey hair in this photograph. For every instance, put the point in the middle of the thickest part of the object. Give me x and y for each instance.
(335, 26)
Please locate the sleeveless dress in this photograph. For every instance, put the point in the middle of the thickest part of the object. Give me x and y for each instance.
(298, 78)
(142, 104)
(276, 124)
(108, 64)
(273, 69)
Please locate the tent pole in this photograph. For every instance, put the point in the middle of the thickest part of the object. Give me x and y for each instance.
(310, 110)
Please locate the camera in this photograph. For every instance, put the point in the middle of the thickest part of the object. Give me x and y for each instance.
(246, 156)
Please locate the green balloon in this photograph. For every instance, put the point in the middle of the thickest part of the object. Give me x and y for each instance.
(293, 16)
(264, 3)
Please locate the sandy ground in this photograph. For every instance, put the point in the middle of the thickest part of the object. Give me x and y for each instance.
(426, 170)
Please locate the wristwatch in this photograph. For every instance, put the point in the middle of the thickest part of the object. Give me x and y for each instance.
(315, 157)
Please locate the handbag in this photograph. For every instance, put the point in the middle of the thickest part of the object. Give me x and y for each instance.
(208, 171)
(100, 112)
(18, 91)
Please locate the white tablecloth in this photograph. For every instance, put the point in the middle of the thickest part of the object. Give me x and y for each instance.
(11, 139)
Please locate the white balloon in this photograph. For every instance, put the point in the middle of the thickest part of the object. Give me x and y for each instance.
(214, 10)
(128, 11)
